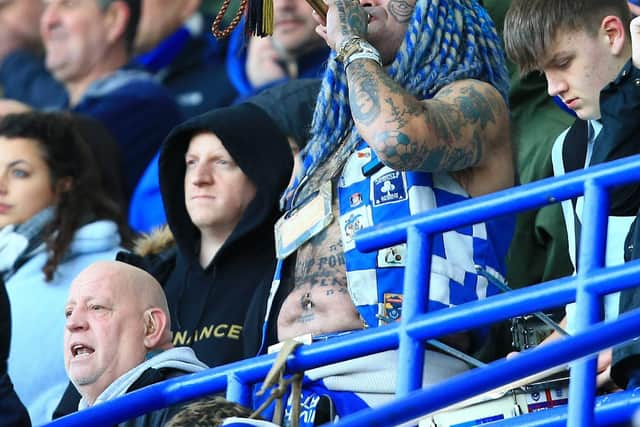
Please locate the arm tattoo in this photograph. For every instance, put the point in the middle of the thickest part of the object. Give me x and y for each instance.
(401, 10)
(456, 126)
(363, 95)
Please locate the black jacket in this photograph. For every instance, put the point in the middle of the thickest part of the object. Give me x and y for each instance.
(12, 412)
(620, 109)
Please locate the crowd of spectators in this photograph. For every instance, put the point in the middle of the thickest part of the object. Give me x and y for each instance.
(170, 201)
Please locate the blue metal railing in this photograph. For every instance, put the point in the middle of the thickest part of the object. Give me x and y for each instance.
(587, 288)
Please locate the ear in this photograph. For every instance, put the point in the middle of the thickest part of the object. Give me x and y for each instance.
(64, 184)
(615, 32)
(155, 325)
(116, 19)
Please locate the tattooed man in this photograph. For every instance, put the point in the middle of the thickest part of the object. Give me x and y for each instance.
(411, 116)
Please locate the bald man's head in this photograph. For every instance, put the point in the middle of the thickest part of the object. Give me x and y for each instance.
(116, 314)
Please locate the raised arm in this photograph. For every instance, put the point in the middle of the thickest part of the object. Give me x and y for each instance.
(451, 132)
(463, 129)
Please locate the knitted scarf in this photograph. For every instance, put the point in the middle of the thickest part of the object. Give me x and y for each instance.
(19, 242)
(447, 40)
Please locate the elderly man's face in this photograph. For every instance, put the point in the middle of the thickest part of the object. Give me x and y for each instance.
(76, 37)
(104, 333)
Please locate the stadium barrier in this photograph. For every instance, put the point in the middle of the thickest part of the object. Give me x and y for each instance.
(587, 288)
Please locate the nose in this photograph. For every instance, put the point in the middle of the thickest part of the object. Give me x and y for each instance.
(4, 185)
(76, 321)
(282, 5)
(202, 175)
(50, 18)
(555, 84)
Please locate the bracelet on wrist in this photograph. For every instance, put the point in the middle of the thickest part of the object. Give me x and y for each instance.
(374, 56)
(347, 46)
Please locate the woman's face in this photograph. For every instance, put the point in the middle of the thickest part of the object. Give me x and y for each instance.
(25, 184)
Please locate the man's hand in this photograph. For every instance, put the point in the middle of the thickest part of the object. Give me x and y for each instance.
(9, 106)
(264, 64)
(635, 41)
(345, 19)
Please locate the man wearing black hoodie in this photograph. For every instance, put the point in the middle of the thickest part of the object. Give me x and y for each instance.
(221, 175)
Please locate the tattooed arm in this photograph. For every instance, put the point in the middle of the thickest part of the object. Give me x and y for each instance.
(463, 129)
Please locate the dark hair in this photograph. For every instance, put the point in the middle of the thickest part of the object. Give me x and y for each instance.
(134, 18)
(67, 157)
(207, 412)
(531, 26)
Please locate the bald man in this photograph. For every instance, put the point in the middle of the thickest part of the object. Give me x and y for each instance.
(117, 336)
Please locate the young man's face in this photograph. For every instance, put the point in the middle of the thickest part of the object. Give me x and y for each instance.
(578, 67)
(216, 190)
(294, 30)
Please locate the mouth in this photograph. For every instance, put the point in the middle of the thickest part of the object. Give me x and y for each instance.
(288, 22)
(4, 208)
(571, 103)
(81, 351)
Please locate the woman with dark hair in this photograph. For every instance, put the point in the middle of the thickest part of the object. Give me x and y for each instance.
(55, 220)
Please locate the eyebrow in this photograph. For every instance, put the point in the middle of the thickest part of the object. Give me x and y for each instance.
(555, 57)
(17, 162)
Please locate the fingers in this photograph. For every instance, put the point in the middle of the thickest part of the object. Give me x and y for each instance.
(320, 20)
(321, 30)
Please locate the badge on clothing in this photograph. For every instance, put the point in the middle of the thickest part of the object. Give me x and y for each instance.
(351, 223)
(393, 256)
(388, 187)
(393, 306)
(304, 222)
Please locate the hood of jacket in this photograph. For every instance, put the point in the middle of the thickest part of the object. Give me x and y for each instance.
(179, 358)
(257, 146)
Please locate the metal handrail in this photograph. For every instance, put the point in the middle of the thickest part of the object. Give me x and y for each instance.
(588, 286)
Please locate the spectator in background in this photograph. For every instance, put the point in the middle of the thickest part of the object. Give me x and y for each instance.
(208, 412)
(175, 44)
(620, 111)
(12, 411)
(538, 251)
(87, 44)
(220, 182)
(55, 219)
(290, 106)
(582, 46)
(22, 73)
(294, 51)
(117, 337)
